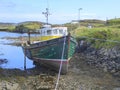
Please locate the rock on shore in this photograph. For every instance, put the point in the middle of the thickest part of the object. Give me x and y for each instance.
(107, 59)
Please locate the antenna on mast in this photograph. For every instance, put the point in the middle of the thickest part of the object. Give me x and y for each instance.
(47, 12)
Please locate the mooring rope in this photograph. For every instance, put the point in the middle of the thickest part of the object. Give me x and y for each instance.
(61, 64)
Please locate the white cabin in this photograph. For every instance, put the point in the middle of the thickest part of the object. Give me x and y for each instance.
(47, 32)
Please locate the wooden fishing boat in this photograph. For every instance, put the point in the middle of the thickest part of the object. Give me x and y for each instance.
(55, 47)
(48, 51)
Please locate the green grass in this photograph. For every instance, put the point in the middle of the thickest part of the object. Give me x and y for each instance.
(99, 37)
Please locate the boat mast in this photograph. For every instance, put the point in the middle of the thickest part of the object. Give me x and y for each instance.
(46, 14)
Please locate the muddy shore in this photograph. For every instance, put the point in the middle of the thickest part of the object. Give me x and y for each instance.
(79, 77)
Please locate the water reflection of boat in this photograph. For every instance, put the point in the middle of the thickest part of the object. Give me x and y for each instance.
(55, 46)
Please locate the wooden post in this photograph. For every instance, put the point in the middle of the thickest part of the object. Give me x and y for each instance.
(25, 60)
(29, 37)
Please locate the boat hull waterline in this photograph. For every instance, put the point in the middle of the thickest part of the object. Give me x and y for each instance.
(49, 53)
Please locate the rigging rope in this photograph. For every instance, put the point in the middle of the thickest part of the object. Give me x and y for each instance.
(60, 64)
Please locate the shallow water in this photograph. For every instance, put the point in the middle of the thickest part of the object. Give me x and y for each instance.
(13, 54)
(9, 34)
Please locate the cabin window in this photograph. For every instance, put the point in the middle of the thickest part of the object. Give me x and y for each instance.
(49, 32)
(55, 31)
(42, 32)
(60, 31)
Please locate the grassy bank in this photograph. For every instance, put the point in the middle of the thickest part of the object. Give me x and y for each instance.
(99, 37)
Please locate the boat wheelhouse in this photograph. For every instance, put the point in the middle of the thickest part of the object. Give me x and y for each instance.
(47, 32)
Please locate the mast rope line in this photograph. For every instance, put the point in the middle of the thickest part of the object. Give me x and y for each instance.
(61, 63)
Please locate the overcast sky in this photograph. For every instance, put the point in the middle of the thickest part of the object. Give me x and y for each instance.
(62, 11)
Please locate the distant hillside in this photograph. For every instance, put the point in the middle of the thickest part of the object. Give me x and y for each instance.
(28, 25)
(7, 26)
(20, 27)
(113, 21)
(33, 25)
(30, 22)
(92, 22)
(85, 23)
